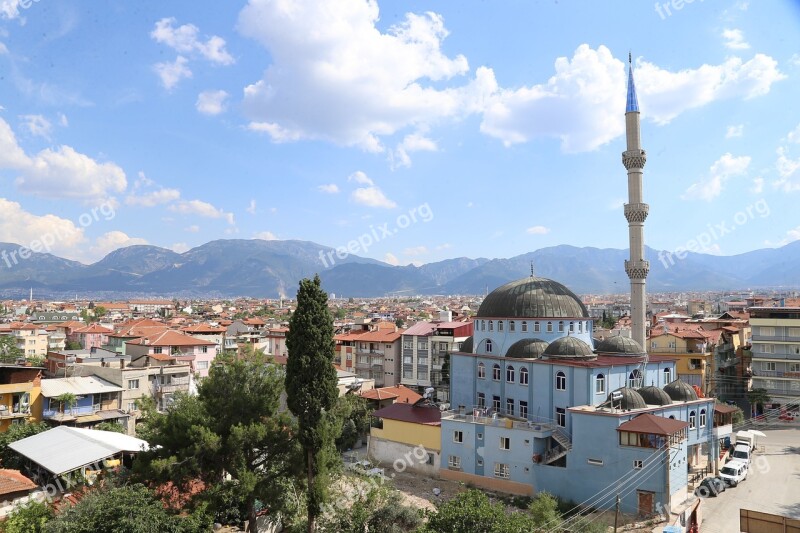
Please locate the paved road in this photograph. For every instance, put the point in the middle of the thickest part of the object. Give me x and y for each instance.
(773, 485)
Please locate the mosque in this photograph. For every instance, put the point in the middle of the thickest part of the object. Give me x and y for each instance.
(538, 404)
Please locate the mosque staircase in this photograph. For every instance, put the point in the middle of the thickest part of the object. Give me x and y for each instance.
(563, 448)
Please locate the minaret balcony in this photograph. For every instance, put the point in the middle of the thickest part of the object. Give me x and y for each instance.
(634, 159)
(637, 269)
(636, 212)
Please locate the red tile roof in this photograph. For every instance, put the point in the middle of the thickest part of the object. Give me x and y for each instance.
(404, 412)
(401, 393)
(657, 425)
(93, 329)
(12, 481)
(171, 338)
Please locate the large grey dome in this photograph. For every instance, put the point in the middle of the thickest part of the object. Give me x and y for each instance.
(630, 399)
(619, 344)
(527, 349)
(532, 297)
(568, 348)
(680, 391)
(654, 396)
(467, 345)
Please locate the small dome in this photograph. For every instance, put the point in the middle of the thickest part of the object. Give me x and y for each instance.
(619, 344)
(532, 297)
(630, 399)
(655, 396)
(680, 391)
(467, 345)
(568, 347)
(527, 349)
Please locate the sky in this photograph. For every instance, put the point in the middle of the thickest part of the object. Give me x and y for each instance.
(409, 131)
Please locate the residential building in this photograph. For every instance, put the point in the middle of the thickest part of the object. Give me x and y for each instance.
(385, 396)
(91, 336)
(82, 401)
(20, 395)
(198, 353)
(47, 317)
(776, 352)
(151, 307)
(32, 339)
(274, 341)
(377, 355)
(426, 346)
(207, 332)
(691, 346)
(410, 433)
(15, 490)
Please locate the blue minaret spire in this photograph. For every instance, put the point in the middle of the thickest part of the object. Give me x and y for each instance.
(633, 102)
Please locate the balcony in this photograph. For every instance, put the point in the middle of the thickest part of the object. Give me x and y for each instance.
(174, 385)
(369, 352)
(15, 411)
(728, 362)
(776, 374)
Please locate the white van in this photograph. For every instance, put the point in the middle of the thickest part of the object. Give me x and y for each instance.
(734, 472)
(741, 452)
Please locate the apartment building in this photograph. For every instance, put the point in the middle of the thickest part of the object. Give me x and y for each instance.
(426, 346)
(776, 352)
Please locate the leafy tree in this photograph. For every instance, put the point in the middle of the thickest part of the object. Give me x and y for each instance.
(30, 517)
(375, 509)
(544, 511)
(100, 312)
(231, 436)
(132, 509)
(8, 457)
(9, 351)
(73, 345)
(110, 426)
(758, 397)
(473, 512)
(354, 413)
(36, 361)
(66, 399)
(340, 313)
(311, 386)
(399, 322)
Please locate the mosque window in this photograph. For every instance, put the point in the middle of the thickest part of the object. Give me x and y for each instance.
(491, 325)
(580, 327)
(524, 326)
(600, 384)
(523, 376)
(561, 381)
(702, 418)
(510, 374)
(488, 346)
(667, 376)
(561, 327)
(572, 327)
(481, 371)
(481, 400)
(536, 327)
(549, 327)
(692, 420)
(496, 372)
(483, 325)
(499, 325)
(512, 324)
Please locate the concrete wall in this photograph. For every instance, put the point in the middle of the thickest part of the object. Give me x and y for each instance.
(400, 456)
(411, 434)
(502, 340)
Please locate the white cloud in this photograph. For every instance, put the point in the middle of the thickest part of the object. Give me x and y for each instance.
(794, 135)
(172, 73)
(336, 76)
(154, 198)
(415, 251)
(194, 228)
(787, 168)
(391, 259)
(265, 236)
(3, 49)
(62, 119)
(202, 209)
(142, 181)
(359, 177)
(720, 172)
(537, 230)
(329, 188)
(444, 246)
(734, 39)
(251, 207)
(616, 203)
(52, 233)
(184, 39)
(791, 236)
(212, 102)
(180, 247)
(795, 60)
(9, 9)
(113, 240)
(734, 131)
(758, 185)
(415, 142)
(372, 197)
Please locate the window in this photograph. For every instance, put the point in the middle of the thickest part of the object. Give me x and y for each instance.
(653, 344)
(536, 327)
(131, 406)
(524, 326)
(408, 345)
(523, 376)
(505, 443)
(422, 345)
(595, 462)
(510, 374)
(443, 347)
(561, 326)
(634, 378)
(481, 400)
(766, 332)
(793, 332)
(561, 381)
(768, 348)
(692, 420)
(488, 346)
(580, 327)
(768, 365)
(499, 325)
(483, 325)
(202, 365)
(480, 436)
(491, 325)
(480, 462)
(496, 403)
(667, 376)
(523, 409)
(430, 459)
(481, 371)
(496, 372)
(510, 406)
(600, 384)
(133, 384)
(157, 349)
(458, 436)
(454, 462)
(502, 470)
(549, 327)
(512, 325)
(794, 367)
(204, 349)
(702, 418)
(637, 464)
(572, 327)
(561, 416)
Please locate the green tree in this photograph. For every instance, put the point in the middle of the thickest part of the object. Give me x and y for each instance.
(471, 512)
(8, 457)
(544, 511)
(758, 397)
(340, 313)
(311, 387)
(354, 413)
(376, 508)
(100, 312)
(67, 399)
(132, 509)
(30, 517)
(110, 426)
(399, 322)
(9, 352)
(73, 345)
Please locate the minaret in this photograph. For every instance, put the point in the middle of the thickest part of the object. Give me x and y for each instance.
(636, 210)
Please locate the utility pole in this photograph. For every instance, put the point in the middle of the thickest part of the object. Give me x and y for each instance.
(616, 515)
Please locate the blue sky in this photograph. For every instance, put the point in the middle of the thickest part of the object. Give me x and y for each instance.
(464, 128)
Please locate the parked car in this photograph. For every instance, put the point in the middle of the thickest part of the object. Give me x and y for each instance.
(734, 472)
(710, 486)
(741, 452)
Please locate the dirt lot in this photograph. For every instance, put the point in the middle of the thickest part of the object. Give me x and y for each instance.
(417, 490)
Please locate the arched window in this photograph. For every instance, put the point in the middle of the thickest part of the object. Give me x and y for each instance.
(512, 325)
(672, 417)
(667, 376)
(536, 327)
(549, 327)
(561, 326)
(524, 326)
(491, 325)
(692, 420)
(580, 327)
(481, 371)
(572, 327)
(496, 372)
(499, 325)
(483, 325)
(523, 376)
(561, 381)
(481, 400)
(510, 374)
(634, 378)
(488, 345)
(600, 384)
(702, 418)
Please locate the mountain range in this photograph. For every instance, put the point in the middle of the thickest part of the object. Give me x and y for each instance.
(271, 269)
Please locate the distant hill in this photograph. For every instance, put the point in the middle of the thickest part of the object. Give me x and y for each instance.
(272, 269)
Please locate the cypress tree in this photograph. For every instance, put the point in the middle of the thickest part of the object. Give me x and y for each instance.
(311, 385)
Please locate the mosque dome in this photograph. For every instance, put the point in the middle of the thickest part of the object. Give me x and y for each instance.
(619, 345)
(654, 396)
(527, 349)
(680, 391)
(568, 348)
(468, 345)
(630, 399)
(532, 297)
